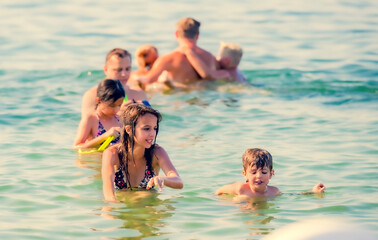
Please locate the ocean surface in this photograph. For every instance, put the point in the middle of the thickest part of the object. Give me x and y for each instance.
(312, 101)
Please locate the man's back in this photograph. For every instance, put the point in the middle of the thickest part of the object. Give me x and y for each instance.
(179, 70)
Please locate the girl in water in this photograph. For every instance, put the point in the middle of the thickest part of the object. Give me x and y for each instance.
(96, 127)
(137, 160)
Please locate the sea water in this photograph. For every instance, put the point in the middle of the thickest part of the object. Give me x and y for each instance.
(311, 101)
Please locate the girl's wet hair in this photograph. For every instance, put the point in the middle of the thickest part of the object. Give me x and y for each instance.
(130, 115)
(258, 157)
(110, 90)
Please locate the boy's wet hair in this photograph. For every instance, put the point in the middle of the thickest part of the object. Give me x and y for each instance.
(121, 53)
(109, 90)
(259, 157)
(188, 27)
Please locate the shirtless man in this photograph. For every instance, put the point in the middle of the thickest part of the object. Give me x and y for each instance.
(145, 57)
(178, 68)
(117, 66)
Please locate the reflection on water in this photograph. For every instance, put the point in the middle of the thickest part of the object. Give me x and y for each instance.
(257, 209)
(140, 211)
(90, 161)
(256, 213)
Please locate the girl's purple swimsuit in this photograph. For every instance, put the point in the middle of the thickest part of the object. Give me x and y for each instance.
(101, 130)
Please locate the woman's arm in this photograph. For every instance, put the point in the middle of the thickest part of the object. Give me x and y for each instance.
(86, 128)
(107, 172)
(172, 178)
(83, 131)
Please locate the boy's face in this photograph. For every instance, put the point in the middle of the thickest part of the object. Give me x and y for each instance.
(150, 58)
(118, 68)
(224, 62)
(258, 179)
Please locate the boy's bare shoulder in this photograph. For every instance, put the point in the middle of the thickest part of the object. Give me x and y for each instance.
(91, 92)
(274, 191)
(241, 188)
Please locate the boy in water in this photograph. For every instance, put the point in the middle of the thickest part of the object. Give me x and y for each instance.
(229, 57)
(258, 170)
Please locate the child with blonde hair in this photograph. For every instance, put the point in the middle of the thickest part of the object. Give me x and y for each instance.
(146, 55)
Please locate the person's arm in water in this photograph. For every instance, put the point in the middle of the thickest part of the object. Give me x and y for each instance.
(161, 64)
(232, 189)
(108, 174)
(205, 70)
(85, 130)
(318, 188)
(171, 179)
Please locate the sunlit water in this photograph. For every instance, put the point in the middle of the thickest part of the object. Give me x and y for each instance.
(311, 101)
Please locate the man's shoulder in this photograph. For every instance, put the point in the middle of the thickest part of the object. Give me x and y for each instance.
(137, 93)
(204, 52)
(172, 60)
(164, 62)
(91, 91)
(172, 55)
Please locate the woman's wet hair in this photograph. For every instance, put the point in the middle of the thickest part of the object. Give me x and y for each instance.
(130, 115)
(109, 90)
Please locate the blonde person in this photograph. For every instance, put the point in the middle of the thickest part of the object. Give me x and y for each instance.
(118, 67)
(258, 170)
(137, 160)
(146, 56)
(228, 59)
